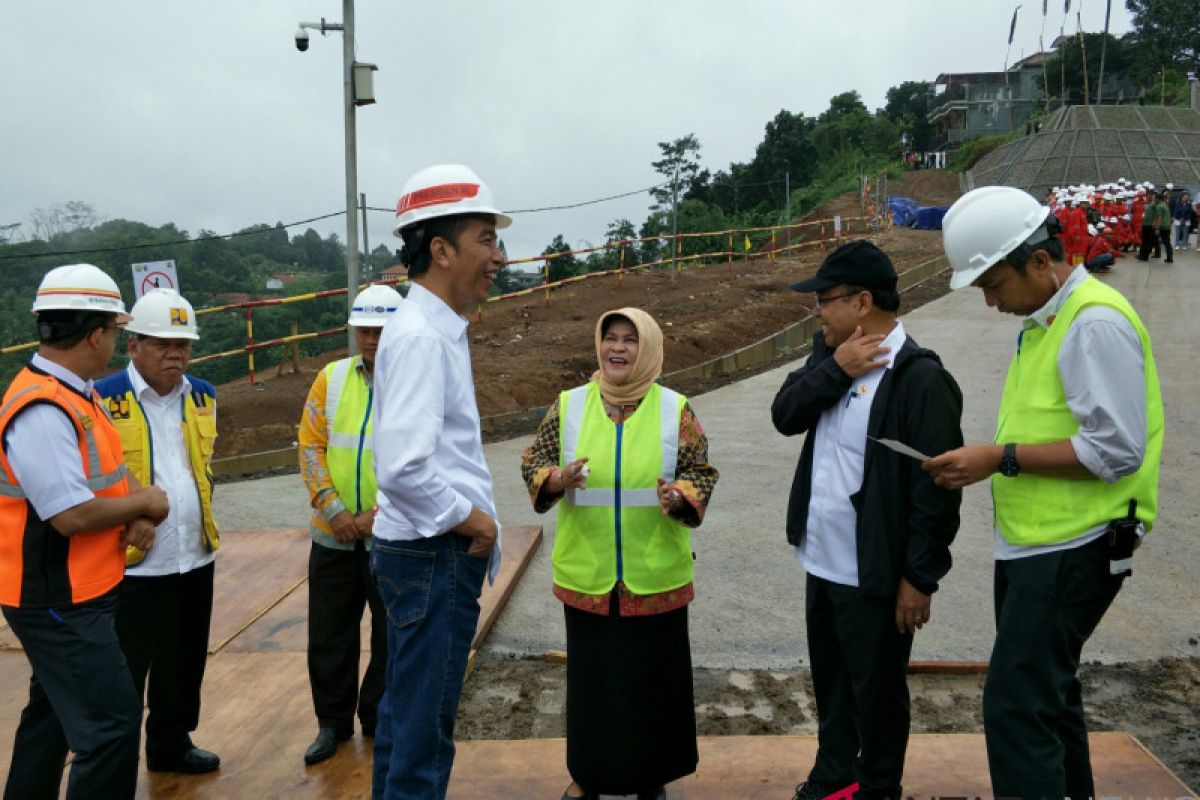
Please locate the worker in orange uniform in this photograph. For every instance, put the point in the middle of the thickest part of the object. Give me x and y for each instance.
(68, 509)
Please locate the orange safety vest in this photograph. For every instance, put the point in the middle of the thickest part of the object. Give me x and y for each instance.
(39, 567)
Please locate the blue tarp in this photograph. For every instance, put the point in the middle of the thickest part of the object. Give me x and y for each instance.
(902, 209)
(929, 218)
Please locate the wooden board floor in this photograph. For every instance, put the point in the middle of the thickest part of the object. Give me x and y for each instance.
(257, 707)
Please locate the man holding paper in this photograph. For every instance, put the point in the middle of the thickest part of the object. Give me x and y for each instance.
(1074, 478)
(871, 528)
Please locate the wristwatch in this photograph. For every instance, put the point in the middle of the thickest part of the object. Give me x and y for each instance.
(1009, 466)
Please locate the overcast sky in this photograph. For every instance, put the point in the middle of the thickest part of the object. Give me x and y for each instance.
(204, 113)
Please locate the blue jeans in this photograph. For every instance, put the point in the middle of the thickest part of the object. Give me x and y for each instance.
(430, 588)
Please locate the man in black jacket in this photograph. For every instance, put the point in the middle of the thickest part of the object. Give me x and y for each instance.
(871, 529)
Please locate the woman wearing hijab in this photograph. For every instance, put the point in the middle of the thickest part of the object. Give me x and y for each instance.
(629, 460)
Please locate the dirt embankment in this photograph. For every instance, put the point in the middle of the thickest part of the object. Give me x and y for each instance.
(524, 351)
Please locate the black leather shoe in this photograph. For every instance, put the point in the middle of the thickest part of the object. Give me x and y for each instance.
(811, 791)
(324, 746)
(191, 762)
(654, 794)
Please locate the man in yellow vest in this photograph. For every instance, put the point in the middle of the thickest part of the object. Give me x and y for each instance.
(68, 508)
(336, 432)
(1074, 475)
(167, 420)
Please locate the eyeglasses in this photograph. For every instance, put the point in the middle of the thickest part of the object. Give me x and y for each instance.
(824, 301)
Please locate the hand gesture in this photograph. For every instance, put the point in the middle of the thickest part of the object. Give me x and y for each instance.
(955, 469)
(572, 476)
(669, 498)
(912, 608)
(364, 523)
(140, 533)
(858, 355)
(481, 529)
(154, 504)
(344, 529)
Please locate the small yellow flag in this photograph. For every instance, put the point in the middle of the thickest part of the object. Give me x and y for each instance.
(746, 242)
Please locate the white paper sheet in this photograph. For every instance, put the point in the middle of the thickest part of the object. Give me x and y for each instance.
(901, 448)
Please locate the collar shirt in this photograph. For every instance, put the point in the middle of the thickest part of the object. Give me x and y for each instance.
(830, 548)
(43, 449)
(428, 449)
(177, 545)
(1102, 369)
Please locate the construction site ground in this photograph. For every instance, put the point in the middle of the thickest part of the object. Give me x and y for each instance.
(525, 351)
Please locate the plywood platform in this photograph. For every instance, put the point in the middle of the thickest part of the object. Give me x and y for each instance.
(257, 707)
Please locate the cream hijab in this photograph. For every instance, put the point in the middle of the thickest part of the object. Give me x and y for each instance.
(649, 362)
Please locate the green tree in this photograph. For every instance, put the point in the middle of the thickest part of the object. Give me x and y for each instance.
(1065, 67)
(908, 106)
(680, 163)
(1166, 33)
(564, 265)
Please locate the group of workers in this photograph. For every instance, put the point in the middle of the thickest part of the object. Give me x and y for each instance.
(1102, 222)
(107, 540)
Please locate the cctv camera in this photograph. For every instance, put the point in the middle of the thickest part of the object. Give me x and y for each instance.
(301, 39)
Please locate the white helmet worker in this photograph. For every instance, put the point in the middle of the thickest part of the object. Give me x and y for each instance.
(374, 306)
(79, 287)
(985, 225)
(445, 190)
(163, 314)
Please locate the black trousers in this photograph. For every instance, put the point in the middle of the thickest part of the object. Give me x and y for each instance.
(80, 698)
(859, 665)
(1149, 242)
(163, 623)
(1164, 236)
(1046, 608)
(339, 586)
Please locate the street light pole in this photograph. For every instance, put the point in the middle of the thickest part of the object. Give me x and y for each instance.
(351, 166)
(349, 102)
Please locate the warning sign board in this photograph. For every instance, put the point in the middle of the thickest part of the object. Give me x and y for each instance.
(154, 275)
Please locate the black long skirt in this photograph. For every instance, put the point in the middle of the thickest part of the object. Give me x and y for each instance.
(631, 722)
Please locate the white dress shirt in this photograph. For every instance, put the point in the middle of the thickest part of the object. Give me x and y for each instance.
(428, 449)
(43, 450)
(830, 546)
(1102, 369)
(177, 543)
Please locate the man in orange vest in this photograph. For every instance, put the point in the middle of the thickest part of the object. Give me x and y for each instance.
(67, 511)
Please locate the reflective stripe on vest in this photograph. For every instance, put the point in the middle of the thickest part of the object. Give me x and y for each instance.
(349, 423)
(614, 529)
(1038, 509)
(38, 566)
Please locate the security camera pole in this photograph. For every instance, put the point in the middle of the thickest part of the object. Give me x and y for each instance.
(347, 29)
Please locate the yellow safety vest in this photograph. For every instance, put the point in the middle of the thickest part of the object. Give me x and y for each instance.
(613, 530)
(349, 423)
(198, 421)
(1038, 509)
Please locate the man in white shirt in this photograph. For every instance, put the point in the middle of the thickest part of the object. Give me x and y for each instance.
(436, 530)
(870, 527)
(168, 424)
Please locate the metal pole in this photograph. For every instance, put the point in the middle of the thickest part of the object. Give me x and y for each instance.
(351, 165)
(787, 206)
(366, 248)
(675, 223)
(1103, 49)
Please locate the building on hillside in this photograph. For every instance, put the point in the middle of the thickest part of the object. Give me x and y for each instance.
(279, 281)
(394, 273)
(524, 276)
(972, 105)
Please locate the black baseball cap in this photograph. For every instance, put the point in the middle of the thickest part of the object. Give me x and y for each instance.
(858, 263)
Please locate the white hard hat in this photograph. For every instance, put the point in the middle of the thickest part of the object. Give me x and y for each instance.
(445, 190)
(374, 306)
(985, 225)
(1170, 185)
(79, 287)
(1092, 229)
(164, 314)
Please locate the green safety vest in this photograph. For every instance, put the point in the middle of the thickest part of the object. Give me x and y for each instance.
(1038, 509)
(613, 530)
(348, 406)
